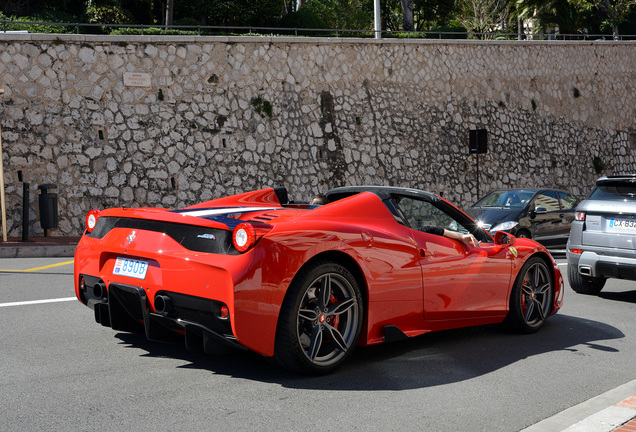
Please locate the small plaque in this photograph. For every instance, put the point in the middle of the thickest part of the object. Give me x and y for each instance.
(136, 79)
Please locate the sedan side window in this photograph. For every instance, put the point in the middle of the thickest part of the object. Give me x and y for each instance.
(568, 202)
(547, 201)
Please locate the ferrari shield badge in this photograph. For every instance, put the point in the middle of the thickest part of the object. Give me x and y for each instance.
(514, 251)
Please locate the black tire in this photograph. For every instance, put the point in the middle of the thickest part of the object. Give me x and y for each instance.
(584, 284)
(523, 234)
(320, 319)
(531, 297)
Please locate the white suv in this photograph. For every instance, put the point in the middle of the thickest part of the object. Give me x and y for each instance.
(602, 240)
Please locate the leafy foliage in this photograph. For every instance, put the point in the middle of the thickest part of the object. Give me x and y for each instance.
(30, 23)
(243, 13)
(432, 14)
(544, 16)
(152, 31)
(332, 14)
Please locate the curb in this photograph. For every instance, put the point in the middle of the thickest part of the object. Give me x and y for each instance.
(618, 417)
(37, 251)
(604, 413)
(39, 247)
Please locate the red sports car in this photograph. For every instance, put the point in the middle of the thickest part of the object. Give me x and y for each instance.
(305, 284)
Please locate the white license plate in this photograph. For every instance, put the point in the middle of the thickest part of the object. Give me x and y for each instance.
(130, 267)
(625, 225)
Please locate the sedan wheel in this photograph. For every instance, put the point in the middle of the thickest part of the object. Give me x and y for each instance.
(320, 320)
(531, 297)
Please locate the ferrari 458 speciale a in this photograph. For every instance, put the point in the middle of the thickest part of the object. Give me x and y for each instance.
(305, 284)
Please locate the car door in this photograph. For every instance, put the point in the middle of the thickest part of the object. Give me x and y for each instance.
(568, 205)
(459, 281)
(545, 217)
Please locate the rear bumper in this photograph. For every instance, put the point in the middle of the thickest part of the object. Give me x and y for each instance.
(593, 264)
(195, 320)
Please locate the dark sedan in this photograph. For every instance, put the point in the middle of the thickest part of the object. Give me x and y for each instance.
(544, 215)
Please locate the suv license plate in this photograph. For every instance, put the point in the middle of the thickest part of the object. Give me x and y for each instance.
(130, 267)
(623, 225)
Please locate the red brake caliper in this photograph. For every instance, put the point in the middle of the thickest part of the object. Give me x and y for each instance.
(523, 295)
(335, 319)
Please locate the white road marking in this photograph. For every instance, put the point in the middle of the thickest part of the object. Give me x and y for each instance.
(32, 302)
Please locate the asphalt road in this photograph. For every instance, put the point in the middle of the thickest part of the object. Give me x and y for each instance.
(59, 370)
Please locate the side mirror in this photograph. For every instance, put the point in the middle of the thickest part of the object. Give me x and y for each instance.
(540, 210)
(504, 239)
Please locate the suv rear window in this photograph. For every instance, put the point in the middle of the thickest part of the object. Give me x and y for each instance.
(614, 192)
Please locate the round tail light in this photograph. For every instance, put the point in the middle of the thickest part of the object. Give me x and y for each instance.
(91, 220)
(243, 237)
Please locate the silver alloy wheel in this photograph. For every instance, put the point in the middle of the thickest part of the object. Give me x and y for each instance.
(328, 319)
(536, 288)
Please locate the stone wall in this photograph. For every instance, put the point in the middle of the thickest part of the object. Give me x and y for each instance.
(218, 116)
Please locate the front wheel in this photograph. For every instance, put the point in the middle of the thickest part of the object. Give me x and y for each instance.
(320, 319)
(531, 297)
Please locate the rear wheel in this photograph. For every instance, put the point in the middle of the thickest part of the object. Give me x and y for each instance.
(584, 284)
(320, 319)
(531, 297)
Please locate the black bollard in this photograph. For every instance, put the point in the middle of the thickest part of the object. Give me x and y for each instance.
(25, 212)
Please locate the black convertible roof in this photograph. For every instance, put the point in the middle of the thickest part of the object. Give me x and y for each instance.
(384, 192)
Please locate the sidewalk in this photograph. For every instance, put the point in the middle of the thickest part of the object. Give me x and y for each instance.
(38, 247)
(614, 410)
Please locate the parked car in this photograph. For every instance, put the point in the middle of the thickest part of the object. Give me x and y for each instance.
(544, 215)
(305, 284)
(601, 244)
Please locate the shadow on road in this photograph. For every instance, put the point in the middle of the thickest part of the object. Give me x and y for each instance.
(429, 360)
(624, 296)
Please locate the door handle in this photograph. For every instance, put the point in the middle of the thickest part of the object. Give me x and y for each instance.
(422, 253)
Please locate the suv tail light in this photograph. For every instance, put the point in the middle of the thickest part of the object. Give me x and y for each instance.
(579, 216)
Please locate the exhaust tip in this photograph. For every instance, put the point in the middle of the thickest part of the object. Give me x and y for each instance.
(163, 305)
(99, 290)
(585, 270)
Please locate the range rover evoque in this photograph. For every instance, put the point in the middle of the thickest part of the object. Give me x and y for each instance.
(601, 243)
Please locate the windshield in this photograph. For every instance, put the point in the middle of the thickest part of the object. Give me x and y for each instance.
(506, 199)
(614, 192)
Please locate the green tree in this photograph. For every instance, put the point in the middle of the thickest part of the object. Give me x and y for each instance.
(107, 12)
(614, 12)
(566, 14)
(242, 13)
(485, 16)
(434, 13)
(408, 23)
(332, 14)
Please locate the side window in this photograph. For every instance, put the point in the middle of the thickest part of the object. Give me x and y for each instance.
(568, 202)
(548, 201)
(422, 213)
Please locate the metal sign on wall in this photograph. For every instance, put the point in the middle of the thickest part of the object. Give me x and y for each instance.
(136, 79)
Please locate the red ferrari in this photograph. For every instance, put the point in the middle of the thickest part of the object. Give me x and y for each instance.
(305, 284)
